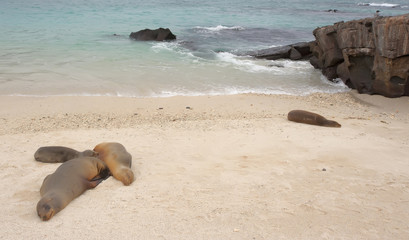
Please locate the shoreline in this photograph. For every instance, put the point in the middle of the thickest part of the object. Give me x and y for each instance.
(45, 114)
(72, 113)
(215, 167)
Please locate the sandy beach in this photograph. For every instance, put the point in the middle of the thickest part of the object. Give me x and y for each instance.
(214, 167)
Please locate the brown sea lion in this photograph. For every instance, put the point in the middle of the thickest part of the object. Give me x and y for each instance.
(58, 154)
(118, 160)
(69, 181)
(302, 116)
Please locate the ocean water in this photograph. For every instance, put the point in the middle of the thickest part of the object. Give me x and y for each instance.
(82, 47)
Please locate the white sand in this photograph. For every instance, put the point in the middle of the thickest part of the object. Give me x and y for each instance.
(230, 167)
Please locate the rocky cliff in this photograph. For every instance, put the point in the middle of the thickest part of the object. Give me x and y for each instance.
(370, 55)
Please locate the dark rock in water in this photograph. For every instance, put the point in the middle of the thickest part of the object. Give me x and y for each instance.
(294, 51)
(303, 48)
(160, 34)
(295, 54)
(343, 73)
(370, 55)
(330, 73)
(274, 53)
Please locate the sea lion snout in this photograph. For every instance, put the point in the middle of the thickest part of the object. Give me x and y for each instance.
(125, 175)
(45, 211)
(89, 153)
(334, 124)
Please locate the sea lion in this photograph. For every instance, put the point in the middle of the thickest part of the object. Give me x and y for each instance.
(69, 181)
(58, 154)
(118, 160)
(302, 116)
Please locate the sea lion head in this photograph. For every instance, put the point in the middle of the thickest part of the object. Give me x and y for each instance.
(45, 209)
(49, 205)
(89, 153)
(330, 123)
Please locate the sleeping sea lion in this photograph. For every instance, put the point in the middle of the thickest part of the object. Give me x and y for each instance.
(58, 154)
(69, 181)
(118, 160)
(302, 116)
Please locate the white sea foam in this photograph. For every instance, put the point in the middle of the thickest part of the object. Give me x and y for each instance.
(281, 67)
(224, 91)
(219, 28)
(338, 83)
(171, 47)
(246, 64)
(168, 46)
(389, 5)
(234, 90)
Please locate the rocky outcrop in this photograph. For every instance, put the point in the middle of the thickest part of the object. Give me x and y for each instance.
(370, 55)
(297, 51)
(160, 34)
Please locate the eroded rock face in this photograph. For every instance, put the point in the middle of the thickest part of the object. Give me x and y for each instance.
(160, 34)
(370, 55)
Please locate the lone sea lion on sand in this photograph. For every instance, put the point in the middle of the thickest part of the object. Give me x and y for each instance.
(69, 181)
(302, 116)
(118, 160)
(58, 154)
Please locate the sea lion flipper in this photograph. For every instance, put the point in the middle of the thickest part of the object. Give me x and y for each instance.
(125, 175)
(98, 179)
(94, 183)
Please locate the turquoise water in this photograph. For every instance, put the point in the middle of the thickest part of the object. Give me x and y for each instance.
(69, 47)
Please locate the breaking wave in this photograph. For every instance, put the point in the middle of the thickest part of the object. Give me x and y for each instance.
(386, 5)
(219, 28)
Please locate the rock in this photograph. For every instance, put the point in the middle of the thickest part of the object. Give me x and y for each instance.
(303, 48)
(330, 72)
(330, 53)
(370, 55)
(392, 36)
(295, 54)
(160, 34)
(273, 53)
(343, 73)
(295, 51)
